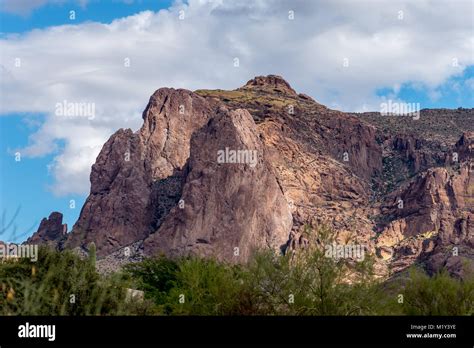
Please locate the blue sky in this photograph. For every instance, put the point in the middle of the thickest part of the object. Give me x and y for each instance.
(390, 54)
(25, 185)
(451, 95)
(56, 14)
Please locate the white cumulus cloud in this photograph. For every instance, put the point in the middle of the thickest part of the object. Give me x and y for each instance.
(385, 44)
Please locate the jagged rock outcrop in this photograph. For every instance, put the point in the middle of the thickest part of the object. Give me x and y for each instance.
(163, 189)
(409, 147)
(318, 188)
(323, 159)
(352, 142)
(50, 231)
(296, 241)
(137, 176)
(465, 146)
(230, 209)
(429, 217)
(270, 83)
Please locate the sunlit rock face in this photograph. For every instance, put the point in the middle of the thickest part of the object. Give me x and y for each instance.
(221, 174)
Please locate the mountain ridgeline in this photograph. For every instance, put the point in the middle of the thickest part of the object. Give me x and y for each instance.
(401, 187)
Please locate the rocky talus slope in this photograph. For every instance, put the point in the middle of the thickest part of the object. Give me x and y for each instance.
(223, 173)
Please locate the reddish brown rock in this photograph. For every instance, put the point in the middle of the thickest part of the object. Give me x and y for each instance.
(351, 142)
(296, 241)
(50, 231)
(408, 146)
(137, 176)
(162, 187)
(433, 214)
(465, 147)
(307, 145)
(271, 83)
(229, 210)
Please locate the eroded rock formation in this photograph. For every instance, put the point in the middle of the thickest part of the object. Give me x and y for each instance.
(228, 209)
(50, 231)
(137, 176)
(392, 184)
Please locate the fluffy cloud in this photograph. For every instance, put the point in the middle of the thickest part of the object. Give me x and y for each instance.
(385, 43)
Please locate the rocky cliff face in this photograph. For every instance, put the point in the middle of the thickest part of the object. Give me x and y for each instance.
(50, 231)
(431, 219)
(137, 176)
(465, 147)
(427, 203)
(223, 173)
(231, 203)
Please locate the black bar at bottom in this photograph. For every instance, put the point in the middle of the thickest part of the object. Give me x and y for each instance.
(291, 331)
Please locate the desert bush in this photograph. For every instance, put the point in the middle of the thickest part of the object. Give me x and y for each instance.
(440, 294)
(310, 283)
(306, 283)
(59, 283)
(188, 285)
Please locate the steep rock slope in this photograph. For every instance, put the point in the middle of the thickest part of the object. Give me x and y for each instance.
(431, 217)
(137, 176)
(228, 209)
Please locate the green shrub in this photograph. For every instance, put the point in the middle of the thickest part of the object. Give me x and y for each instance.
(209, 288)
(311, 283)
(59, 283)
(156, 277)
(188, 286)
(440, 294)
(307, 283)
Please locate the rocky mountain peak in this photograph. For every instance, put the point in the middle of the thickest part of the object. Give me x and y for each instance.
(137, 176)
(273, 83)
(220, 174)
(50, 230)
